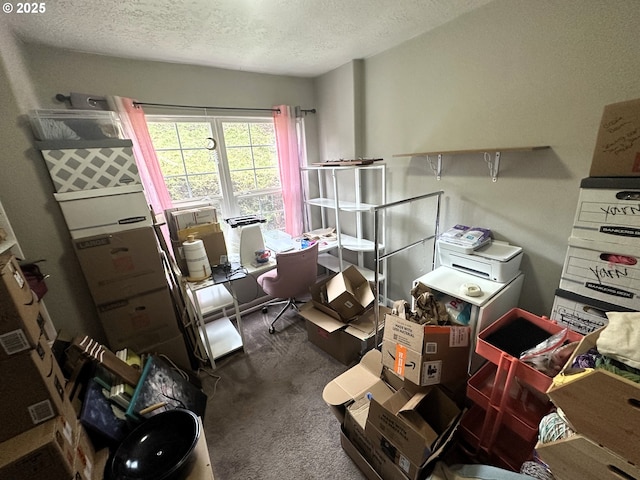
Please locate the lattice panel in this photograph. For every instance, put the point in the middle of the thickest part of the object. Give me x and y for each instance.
(90, 168)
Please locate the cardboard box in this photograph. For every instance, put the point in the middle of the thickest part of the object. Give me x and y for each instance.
(365, 377)
(194, 216)
(84, 461)
(345, 343)
(577, 458)
(581, 314)
(349, 293)
(44, 451)
(358, 458)
(212, 237)
(599, 404)
(375, 457)
(141, 321)
(21, 324)
(605, 271)
(617, 150)
(425, 354)
(32, 391)
(608, 210)
(104, 210)
(121, 264)
(413, 422)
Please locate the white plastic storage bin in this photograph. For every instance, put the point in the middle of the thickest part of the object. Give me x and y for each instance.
(581, 314)
(104, 210)
(608, 272)
(608, 210)
(75, 124)
(76, 165)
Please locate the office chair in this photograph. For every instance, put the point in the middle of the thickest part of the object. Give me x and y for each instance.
(295, 272)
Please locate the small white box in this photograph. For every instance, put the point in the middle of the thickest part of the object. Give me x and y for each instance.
(605, 271)
(86, 165)
(104, 210)
(195, 216)
(608, 210)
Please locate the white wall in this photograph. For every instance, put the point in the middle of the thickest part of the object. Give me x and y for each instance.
(26, 189)
(513, 73)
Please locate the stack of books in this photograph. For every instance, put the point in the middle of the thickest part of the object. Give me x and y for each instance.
(121, 392)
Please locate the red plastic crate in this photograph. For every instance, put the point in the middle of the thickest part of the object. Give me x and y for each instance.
(523, 371)
(516, 406)
(508, 451)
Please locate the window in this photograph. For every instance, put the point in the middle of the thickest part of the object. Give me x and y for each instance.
(240, 175)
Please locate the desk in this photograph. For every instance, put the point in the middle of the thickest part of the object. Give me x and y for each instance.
(215, 294)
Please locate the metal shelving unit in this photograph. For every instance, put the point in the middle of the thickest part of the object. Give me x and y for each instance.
(336, 211)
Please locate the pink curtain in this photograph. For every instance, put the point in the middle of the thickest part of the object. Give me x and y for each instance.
(290, 159)
(135, 128)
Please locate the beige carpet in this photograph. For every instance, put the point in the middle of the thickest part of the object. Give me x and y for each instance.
(265, 417)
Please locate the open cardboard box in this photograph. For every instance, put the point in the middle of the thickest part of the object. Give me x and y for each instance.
(349, 293)
(599, 404)
(344, 342)
(368, 383)
(413, 422)
(425, 354)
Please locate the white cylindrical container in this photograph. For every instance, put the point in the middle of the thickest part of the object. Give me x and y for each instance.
(196, 257)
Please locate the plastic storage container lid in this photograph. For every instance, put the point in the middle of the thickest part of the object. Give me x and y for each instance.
(75, 124)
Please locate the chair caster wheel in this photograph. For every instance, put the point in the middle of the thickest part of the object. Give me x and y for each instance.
(264, 310)
(272, 330)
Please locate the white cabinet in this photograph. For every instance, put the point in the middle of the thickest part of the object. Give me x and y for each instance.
(340, 203)
(496, 299)
(9, 244)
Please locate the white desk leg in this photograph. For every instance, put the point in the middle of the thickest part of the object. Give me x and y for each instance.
(202, 327)
(236, 308)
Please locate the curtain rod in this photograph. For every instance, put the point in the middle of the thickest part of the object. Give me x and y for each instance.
(199, 107)
(92, 100)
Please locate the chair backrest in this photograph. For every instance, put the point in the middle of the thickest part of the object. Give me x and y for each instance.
(250, 241)
(299, 265)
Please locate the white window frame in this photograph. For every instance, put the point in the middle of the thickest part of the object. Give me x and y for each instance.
(228, 199)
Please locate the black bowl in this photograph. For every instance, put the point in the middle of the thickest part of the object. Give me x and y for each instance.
(161, 448)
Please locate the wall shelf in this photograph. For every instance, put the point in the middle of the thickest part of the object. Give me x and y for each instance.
(493, 163)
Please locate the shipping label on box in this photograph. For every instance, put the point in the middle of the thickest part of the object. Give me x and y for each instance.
(609, 214)
(617, 150)
(605, 271)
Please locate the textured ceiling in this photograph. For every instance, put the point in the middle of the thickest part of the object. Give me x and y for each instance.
(286, 37)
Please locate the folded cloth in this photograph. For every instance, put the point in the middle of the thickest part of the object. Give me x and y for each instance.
(620, 339)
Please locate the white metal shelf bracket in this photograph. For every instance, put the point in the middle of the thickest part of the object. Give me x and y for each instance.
(494, 165)
(436, 169)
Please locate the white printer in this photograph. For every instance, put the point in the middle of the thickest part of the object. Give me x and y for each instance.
(496, 261)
